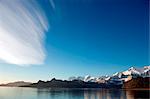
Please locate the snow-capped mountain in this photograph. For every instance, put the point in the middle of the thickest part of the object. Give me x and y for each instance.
(101, 79)
(76, 78)
(132, 72)
(144, 72)
(118, 77)
(89, 79)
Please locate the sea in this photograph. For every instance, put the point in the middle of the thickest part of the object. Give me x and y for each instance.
(72, 93)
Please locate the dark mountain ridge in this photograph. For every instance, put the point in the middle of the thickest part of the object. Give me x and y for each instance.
(54, 83)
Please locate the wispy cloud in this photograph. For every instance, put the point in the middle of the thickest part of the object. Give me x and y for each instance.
(22, 32)
(52, 3)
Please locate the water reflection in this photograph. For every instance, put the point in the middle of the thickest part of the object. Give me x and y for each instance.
(140, 94)
(34, 93)
(61, 93)
(93, 93)
(104, 94)
(116, 94)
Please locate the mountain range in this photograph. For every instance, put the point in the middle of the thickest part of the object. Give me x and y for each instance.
(130, 78)
(123, 76)
(16, 84)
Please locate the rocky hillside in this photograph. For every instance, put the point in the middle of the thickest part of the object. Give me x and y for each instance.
(139, 82)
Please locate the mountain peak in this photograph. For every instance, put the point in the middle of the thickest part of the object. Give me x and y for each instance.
(132, 68)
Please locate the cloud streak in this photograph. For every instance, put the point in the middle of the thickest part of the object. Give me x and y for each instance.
(22, 32)
(52, 4)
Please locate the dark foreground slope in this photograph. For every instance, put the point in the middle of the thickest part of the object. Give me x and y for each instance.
(138, 83)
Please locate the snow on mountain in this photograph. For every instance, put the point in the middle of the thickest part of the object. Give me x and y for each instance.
(102, 79)
(76, 78)
(118, 74)
(88, 78)
(138, 71)
(131, 71)
(117, 77)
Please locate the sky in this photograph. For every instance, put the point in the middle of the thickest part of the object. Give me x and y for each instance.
(42, 39)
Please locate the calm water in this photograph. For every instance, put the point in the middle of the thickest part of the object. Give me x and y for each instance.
(33, 93)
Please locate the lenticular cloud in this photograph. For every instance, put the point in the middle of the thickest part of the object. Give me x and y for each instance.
(22, 31)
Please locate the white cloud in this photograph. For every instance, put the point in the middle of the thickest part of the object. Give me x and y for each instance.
(22, 32)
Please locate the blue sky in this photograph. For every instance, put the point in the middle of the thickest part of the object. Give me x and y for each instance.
(94, 37)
